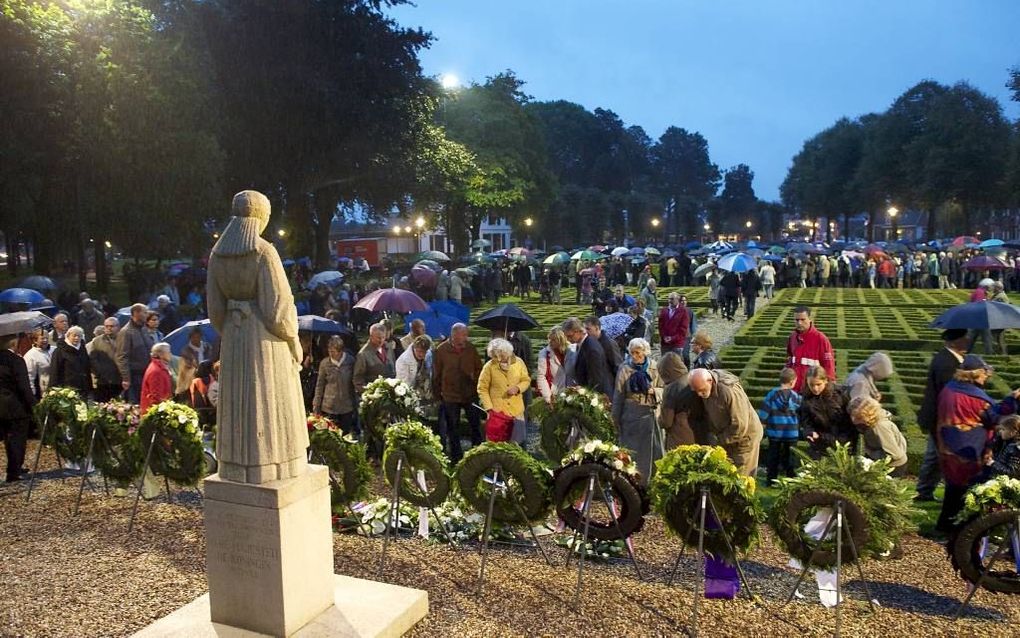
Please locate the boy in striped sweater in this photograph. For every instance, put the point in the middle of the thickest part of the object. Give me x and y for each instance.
(779, 415)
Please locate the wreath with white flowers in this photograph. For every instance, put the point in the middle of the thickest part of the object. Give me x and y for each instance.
(178, 453)
(576, 414)
(617, 475)
(66, 416)
(386, 401)
(989, 510)
(117, 455)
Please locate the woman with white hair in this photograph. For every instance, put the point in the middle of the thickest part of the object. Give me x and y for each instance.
(69, 365)
(157, 385)
(635, 403)
(501, 386)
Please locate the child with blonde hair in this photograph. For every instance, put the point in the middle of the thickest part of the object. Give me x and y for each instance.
(882, 439)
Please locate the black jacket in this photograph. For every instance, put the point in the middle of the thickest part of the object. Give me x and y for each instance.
(708, 359)
(827, 415)
(16, 399)
(591, 370)
(730, 285)
(71, 368)
(613, 358)
(940, 372)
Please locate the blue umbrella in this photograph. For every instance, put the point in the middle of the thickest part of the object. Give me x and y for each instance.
(437, 325)
(327, 278)
(305, 261)
(692, 245)
(776, 258)
(737, 262)
(38, 282)
(124, 316)
(287, 263)
(452, 309)
(315, 323)
(21, 295)
(615, 324)
(178, 339)
(991, 243)
(979, 315)
(755, 252)
(635, 251)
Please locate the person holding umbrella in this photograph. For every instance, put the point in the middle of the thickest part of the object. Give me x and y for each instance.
(16, 402)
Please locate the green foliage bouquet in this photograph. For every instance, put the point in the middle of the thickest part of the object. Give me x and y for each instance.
(999, 493)
(675, 491)
(66, 416)
(884, 501)
(425, 473)
(608, 454)
(118, 455)
(574, 407)
(178, 453)
(346, 460)
(383, 402)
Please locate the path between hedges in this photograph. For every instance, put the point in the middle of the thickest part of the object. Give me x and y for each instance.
(720, 330)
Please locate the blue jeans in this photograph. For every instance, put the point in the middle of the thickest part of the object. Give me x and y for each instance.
(134, 392)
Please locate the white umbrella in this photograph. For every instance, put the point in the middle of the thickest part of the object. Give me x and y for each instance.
(704, 269)
(619, 250)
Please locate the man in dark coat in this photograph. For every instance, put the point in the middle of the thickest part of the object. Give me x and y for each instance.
(612, 352)
(751, 287)
(940, 371)
(729, 290)
(591, 370)
(16, 401)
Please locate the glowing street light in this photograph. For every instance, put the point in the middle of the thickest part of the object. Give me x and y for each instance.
(708, 227)
(449, 81)
(655, 222)
(282, 233)
(528, 222)
(396, 229)
(892, 210)
(108, 244)
(748, 224)
(420, 222)
(407, 229)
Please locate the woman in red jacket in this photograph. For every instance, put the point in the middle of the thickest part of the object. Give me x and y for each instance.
(157, 385)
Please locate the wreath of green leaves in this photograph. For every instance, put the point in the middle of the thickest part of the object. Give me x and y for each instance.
(572, 406)
(675, 491)
(886, 503)
(65, 416)
(423, 451)
(525, 478)
(178, 453)
(117, 453)
(347, 460)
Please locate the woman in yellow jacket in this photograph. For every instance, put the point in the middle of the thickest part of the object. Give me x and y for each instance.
(502, 383)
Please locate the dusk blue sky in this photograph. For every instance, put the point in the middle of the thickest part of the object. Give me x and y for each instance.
(755, 77)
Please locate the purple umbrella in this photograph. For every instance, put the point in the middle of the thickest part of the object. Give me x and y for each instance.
(424, 276)
(984, 262)
(392, 300)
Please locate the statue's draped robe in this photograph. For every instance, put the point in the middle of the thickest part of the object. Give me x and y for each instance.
(261, 431)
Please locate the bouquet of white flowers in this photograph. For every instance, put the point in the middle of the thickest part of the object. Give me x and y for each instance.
(386, 401)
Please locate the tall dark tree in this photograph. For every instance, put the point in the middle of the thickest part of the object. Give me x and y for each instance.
(319, 102)
(685, 177)
(821, 180)
(737, 202)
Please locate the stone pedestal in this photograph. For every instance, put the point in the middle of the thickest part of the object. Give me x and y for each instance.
(269, 552)
(270, 569)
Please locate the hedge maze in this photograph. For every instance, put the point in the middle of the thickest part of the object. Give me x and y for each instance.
(859, 322)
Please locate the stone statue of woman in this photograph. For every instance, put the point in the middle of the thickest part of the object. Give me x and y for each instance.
(261, 431)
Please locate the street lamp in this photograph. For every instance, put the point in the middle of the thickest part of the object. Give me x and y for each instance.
(282, 233)
(892, 216)
(396, 229)
(655, 222)
(528, 222)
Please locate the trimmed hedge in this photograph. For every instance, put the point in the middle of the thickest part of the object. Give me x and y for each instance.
(919, 297)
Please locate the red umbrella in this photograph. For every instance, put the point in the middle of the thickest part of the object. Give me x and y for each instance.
(984, 262)
(965, 240)
(392, 300)
(519, 251)
(873, 250)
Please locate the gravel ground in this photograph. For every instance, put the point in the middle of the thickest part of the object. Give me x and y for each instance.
(84, 576)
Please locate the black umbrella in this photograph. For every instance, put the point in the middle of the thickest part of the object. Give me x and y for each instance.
(979, 315)
(506, 317)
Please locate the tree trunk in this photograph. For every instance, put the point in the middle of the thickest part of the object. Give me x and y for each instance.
(102, 277)
(846, 226)
(13, 253)
(871, 226)
(828, 229)
(931, 224)
(315, 207)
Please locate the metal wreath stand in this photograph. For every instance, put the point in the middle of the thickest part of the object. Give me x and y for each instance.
(1014, 542)
(837, 520)
(141, 480)
(500, 486)
(61, 461)
(595, 486)
(393, 518)
(705, 505)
